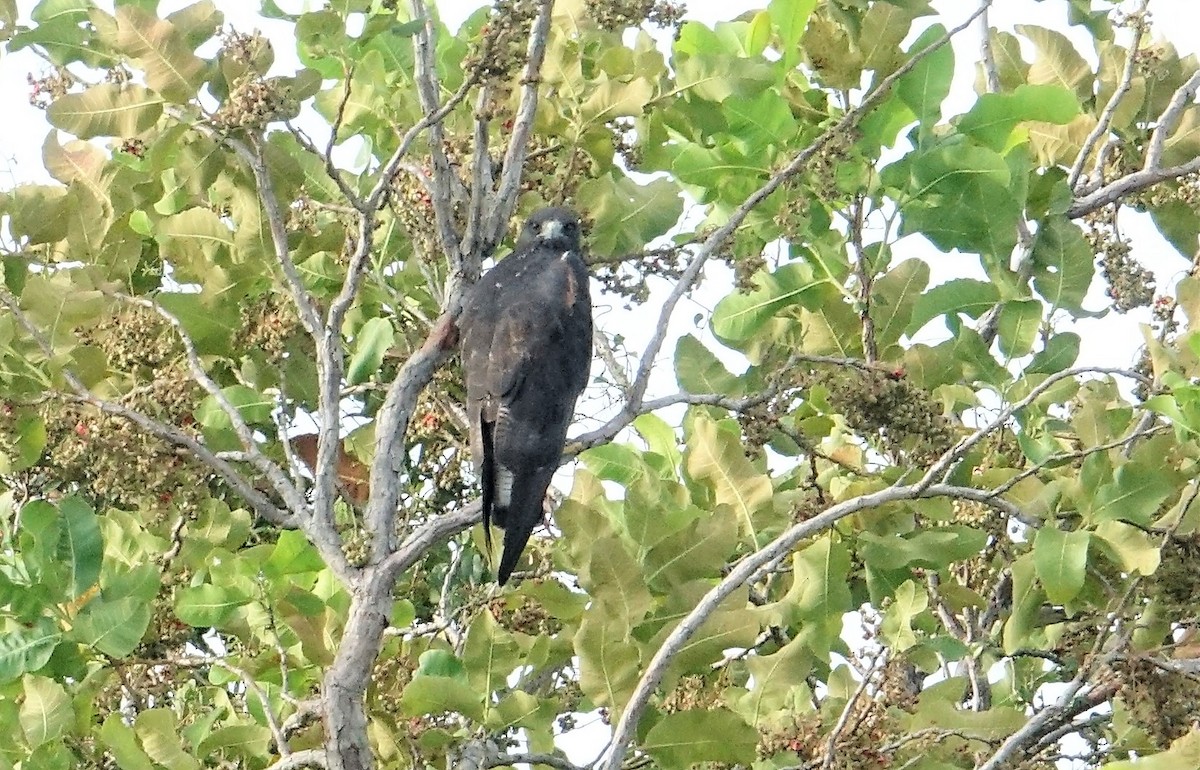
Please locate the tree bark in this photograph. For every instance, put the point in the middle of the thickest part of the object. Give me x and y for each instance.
(345, 687)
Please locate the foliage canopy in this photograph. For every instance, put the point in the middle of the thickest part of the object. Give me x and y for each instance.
(235, 523)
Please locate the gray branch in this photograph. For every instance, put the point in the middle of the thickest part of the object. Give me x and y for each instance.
(504, 202)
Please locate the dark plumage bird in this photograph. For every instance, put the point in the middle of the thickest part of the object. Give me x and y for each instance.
(527, 349)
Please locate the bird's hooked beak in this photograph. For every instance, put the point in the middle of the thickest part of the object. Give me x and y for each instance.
(551, 229)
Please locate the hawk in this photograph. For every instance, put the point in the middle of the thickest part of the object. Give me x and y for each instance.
(526, 350)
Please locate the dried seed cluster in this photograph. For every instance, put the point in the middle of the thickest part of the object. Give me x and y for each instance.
(44, 90)
(904, 417)
(268, 324)
(616, 15)
(1130, 285)
(253, 103)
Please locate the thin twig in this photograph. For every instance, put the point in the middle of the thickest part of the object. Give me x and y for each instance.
(877, 664)
(505, 200)
(1168, 121)
(1114, 101)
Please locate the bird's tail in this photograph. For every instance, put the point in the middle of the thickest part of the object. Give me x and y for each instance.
(524, 513)
(487, 472)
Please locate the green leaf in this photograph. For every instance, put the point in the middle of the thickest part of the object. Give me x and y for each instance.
(962, 197)
(254, 408)
(114, 628)
(926, 85)
(1020, 321)
(1062, 263)
(616, 462)
(608, 661)
(248, 741)
(293, 554)
(615, 583)
(894, 297)
(30, 440)
(24, 650)
(207, 605)
(1057, 62)
(1134, 494)
(490, 654)
(1059, 353)
(931, 548)
(1061, 561)
(1131, 548)
(46, 712)
(819, 580)
(440, 663)
(170, 67)
(161, 741)
(660, 437)
(717, 457)
(760, 122)
(685, 738)
(790, 17)
(959, 295)
(1027, 600)
(776, 678)
(107, 109)
(698, 551)
(1183, 753)
(992, 119)
(433, 695)
(120, 739)
(370, 344)
(698, 370)
(908, 602)
(80, 549)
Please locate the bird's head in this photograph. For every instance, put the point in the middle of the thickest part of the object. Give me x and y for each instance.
(556, 227)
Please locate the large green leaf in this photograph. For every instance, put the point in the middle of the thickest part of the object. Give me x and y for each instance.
(789, 18)
(1062, 263)
(992, 119)
(435, 695)
(908, 602)
(689, 737)
(370, 344)
(106, 110)
(114, 628)
(159, 733)
(1061, 561)
(926, 85)
(959, 295)
(608, 662)
(207, 605)
(1020, 321)
(46, 712)
(121, 740)
(699, 371)
(717, 457)
(894, 297)
(24, 650)
(80, 548)
(170, 66)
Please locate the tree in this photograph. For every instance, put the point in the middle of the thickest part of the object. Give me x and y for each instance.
(236, 526)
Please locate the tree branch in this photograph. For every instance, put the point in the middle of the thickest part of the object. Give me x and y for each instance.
(298, 759)
(1110, 109)
(504, 202)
